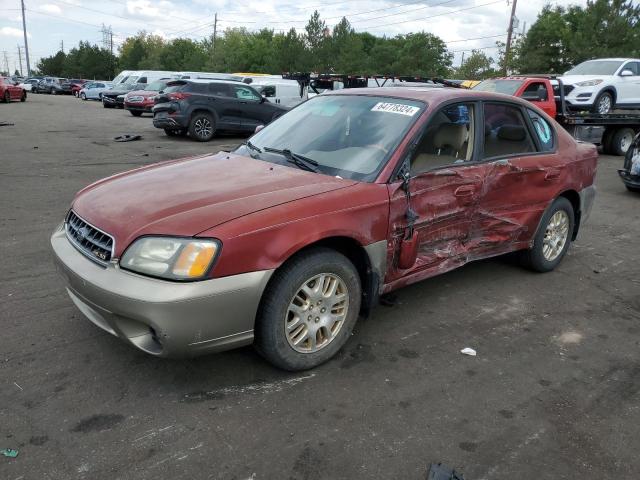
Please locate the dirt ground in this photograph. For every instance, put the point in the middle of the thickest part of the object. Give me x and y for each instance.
(552, 394)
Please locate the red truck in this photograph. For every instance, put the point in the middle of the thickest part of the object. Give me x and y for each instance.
(287, 240)
(614, 132)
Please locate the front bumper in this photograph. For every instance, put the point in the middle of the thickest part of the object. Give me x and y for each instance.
(631, 181)
(162, 318)
(582, 96)
(138, 107)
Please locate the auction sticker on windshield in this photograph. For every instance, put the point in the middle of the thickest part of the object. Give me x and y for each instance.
(398, 108)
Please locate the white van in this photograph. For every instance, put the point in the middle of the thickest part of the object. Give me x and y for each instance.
(147, 76)
(121, 77)
(278, 90)
(206, 76)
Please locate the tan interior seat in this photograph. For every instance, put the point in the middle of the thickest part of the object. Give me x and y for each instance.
(449, 144)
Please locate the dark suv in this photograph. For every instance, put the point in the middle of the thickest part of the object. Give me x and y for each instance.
(203, 107)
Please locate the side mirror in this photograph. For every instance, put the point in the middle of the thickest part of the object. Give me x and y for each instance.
(258, 128)
(263, 99)
(627, 73)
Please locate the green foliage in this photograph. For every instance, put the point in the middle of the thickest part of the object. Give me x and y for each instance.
(477, 66)
(563, 37)
(560, 38)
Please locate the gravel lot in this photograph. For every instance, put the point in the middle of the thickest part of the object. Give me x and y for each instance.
(553, 392)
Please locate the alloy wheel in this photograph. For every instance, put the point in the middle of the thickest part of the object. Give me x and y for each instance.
(555, 235)
(604, 104)
(316, 313)
(203, 127)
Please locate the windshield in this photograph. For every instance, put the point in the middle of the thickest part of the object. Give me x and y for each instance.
(156, 86)
(351, 136)
(508, 87)
(596, 67)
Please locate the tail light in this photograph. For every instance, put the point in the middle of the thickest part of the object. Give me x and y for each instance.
(178, 96)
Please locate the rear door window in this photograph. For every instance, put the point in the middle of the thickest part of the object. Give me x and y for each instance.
(505, 131)
(543, 131)
(219, 89)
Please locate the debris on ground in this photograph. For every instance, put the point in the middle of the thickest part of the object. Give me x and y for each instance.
(388, 299)
(468, 351)
(127, 138)
(6, 124)
(437, 471)
(9, 452)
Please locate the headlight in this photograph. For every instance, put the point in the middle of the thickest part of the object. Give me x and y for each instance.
(589, 83)
(171, 258)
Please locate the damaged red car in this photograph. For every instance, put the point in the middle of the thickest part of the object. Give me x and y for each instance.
(286, 241)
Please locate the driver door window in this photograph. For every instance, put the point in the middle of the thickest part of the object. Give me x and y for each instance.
(245, 93)
(448, 139)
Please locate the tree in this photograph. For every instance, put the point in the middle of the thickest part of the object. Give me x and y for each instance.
(53, 65)
(477, 66)
(421, 53)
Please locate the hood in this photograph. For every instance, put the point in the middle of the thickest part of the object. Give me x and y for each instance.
(188, 196)
(573, 79)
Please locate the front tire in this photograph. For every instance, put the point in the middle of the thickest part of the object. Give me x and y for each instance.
(135, 113)
(83, 96)
(202, 127)
(7, 97)
(552, 238)
(308, 310)
(23, 98)
(603, 104)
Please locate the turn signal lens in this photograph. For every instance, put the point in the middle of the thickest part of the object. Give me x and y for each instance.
(194, 260)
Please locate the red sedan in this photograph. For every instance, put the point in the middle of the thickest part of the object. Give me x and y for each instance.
(10, 90)
(286, 241)
(138, 102)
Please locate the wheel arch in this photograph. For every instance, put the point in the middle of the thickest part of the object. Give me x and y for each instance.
(359, 256)
(574, 198)
(201, 109)
(612, 90)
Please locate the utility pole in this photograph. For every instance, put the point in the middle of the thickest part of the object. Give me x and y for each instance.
(62, 46)
(507, 48)
(20, 59)
(462, 61)
(215, 30)
(6, 62)
(26, 44)
(111, 49)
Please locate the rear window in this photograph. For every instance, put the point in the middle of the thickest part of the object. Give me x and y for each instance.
(175, 87)
(508, 87)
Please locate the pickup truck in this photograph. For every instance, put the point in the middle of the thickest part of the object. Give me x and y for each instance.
(614, 132)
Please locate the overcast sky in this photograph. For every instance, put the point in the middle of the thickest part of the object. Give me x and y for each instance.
(463, 24)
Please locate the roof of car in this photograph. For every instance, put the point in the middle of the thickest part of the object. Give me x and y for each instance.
(205, 80)
(617, 59)
(429, 95)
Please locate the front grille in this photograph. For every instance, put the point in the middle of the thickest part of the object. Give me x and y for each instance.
(92, 242)
(135, 99)
(568, 89)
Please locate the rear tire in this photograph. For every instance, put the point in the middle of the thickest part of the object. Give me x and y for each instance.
(293, 329)
(135, 113)
(553, 237)
(23, 98)
(621, 140)
(202, 127)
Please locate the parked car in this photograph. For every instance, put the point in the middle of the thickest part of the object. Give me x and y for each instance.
(603, 84)
(29, 84)
(50, 85)
(287, 240)
(536, 90)
(203, 107)
(9, 90)
(67, 85)
(93, 90)
(141, 101)
(630, 172)
(114, 97)
(76, 87)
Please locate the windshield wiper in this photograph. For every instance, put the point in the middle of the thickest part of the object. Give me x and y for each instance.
(301, 161)
(252, 146)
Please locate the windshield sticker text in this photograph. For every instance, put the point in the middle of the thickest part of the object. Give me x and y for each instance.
(398, 108)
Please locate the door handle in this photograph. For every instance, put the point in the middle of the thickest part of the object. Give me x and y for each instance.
(552, 175)
(446, 173)
(465, 191)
